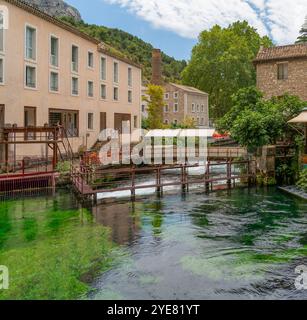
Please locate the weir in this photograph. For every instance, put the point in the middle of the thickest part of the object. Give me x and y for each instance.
(92, 182)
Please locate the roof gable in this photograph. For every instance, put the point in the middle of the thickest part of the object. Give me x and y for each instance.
(188, 89)
(295, 51)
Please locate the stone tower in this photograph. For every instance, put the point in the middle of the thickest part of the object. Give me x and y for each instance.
(156, 67)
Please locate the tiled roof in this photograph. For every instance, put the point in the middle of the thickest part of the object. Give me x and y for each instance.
(188, 89)
(281, 53)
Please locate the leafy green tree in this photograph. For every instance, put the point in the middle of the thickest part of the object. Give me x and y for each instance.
(155, 106)
(254, 122)
(302, 38)
(221, 63)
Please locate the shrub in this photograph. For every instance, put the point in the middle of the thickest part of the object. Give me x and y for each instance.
(302, 182)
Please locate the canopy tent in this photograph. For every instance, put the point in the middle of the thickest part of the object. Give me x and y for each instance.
(301, 118)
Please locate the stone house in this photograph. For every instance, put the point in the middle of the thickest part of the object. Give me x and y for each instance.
(183, 102)
(282, 70)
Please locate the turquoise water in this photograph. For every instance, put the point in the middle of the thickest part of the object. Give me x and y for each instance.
(239, 244)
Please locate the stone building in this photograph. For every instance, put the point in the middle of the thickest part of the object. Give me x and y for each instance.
(181, 102)
(282, 70)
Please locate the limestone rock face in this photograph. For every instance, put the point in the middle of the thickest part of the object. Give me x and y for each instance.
(56, 8)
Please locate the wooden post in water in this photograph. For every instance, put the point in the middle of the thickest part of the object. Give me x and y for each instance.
(183, 182)
(229, 165)
(133, 183)
(207, 176)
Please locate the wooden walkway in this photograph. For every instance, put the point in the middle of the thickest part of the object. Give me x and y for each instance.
(88, 182)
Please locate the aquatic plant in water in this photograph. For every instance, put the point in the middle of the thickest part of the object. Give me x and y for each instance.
(50, 253)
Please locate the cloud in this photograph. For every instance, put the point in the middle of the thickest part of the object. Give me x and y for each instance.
(280, 19)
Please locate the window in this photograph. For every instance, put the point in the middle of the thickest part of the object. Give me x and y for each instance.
(197, 108)
(30, 77)
(54, 51)
(90, 59)
(74, 86)
(175, 122)
(130, 77)
(90, 121)
(202, 108)
(282, 71)
(103, 69)
(115, 72)
(143, 107)
(103, 91)
(29, 121)
(175, 107)
(165, 121)
(30, 43)
(202, 121)
(115, 94)
(74, 58)
(175, 95)
(67, 118)
(90, 89)
(1, 33)
(198, 122)
(129, 96)
(1, 70)
(193, 107)
(54, 81)
(135, 122)
(166, 108)
(166, 96)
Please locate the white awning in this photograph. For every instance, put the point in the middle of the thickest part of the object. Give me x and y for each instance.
(169, 133)
(302, 118)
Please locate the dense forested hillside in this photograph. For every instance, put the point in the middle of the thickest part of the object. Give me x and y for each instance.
(132, 47)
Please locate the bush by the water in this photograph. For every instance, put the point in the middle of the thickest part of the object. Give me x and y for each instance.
(302, 182)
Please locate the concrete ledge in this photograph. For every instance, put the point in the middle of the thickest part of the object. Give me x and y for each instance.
(293, 190)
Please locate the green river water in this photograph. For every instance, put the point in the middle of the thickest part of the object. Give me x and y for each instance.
(239, 244)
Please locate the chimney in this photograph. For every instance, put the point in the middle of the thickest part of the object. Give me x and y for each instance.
(156, 67)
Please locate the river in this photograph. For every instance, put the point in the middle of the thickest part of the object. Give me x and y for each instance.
(238, 244)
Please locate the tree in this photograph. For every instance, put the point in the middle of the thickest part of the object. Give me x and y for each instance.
(302, 38)
(254, 122)
(155, 106)
(221, 63)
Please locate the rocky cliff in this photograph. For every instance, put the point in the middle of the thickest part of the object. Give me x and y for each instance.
(56, 8)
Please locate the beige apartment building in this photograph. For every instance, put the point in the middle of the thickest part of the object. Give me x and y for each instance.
(281, 70)
(182, 102)
(51, 73)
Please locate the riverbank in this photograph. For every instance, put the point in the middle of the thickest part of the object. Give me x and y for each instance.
(294, 191)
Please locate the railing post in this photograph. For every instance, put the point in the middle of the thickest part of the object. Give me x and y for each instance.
(23, 167)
